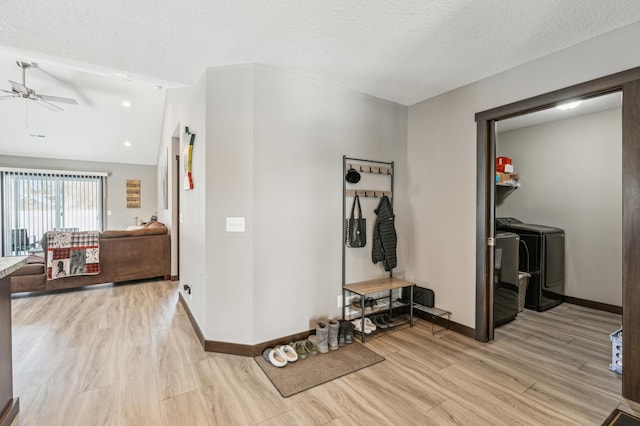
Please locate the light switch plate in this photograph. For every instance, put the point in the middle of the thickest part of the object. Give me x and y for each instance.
(235, 224)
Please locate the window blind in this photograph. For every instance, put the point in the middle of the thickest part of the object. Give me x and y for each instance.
(34, 202)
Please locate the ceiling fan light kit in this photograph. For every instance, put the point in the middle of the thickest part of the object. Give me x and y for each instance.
(21, 91)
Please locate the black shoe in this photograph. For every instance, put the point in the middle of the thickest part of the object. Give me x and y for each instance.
(379, 322)
(348, 332)
(387, 320)
(341, 331)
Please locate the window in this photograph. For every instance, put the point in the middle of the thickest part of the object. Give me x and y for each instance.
(34, 202)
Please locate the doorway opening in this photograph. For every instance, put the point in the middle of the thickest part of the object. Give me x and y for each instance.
(628, 82)
(559, 209)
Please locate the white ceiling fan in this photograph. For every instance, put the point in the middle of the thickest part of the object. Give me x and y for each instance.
(21, 91)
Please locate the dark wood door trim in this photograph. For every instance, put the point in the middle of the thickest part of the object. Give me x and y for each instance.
(484, 231)
(631, 240)
(629, 83)
(590, 89)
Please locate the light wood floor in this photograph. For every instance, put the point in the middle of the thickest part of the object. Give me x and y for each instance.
(127, 355)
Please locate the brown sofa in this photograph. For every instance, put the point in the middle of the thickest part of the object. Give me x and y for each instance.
(124, 256)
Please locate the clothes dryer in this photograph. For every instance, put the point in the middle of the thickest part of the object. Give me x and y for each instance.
(541, 255)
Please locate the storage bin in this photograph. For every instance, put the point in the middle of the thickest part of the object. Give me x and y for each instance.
(616, 351)
(523, 283)
(504, 168)
(504, 177)
(503, 160)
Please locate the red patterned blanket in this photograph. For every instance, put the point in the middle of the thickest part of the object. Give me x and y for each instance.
(72, 253)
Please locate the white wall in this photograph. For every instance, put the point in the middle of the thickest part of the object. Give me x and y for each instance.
(121, 216)
(571, 179)
(442, 160)
(229, 193)
(186, 108)
(273, 155)
(302, 128)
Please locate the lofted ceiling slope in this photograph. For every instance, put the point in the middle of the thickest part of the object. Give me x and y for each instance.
(401, 51)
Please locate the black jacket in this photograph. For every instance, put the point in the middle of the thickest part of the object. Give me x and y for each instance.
(384, 236)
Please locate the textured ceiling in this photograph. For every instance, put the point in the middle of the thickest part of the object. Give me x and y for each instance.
(403, 51)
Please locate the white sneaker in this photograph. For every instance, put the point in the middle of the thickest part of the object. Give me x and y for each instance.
(277, 357)
(369, 324)
(357, 325)
(289, 353)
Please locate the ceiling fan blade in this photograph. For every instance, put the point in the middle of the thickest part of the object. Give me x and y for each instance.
(47, 105)
(5, 97)
(8, 91)
(57, 99)
(17, 87)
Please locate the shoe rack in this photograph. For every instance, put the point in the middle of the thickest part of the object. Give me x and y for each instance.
(364, 290)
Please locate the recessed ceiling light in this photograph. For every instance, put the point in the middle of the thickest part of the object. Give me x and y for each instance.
(568, 105)
(126, 104)
(127, 144)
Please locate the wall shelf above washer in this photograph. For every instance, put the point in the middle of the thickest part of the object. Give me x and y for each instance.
(509, 184)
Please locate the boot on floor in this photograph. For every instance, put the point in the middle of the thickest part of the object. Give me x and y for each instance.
(334, 327)
(322, 337)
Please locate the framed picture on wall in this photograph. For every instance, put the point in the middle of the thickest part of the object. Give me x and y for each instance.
(133, 193)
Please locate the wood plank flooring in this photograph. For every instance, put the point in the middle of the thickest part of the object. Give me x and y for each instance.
(127, 355)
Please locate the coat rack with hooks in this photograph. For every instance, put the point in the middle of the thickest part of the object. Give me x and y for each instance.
(368, 193)
(375, 287)
(384, 168)
(367, 168)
